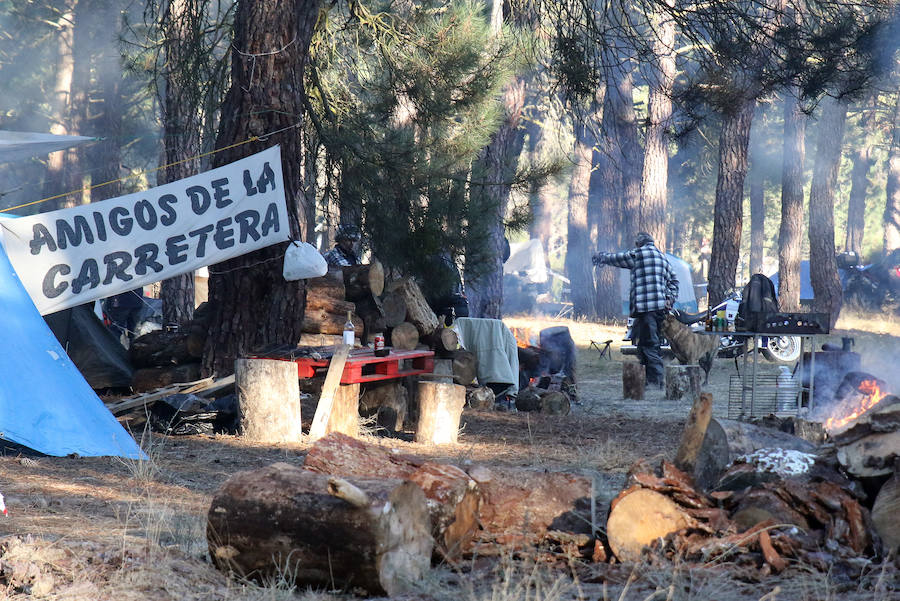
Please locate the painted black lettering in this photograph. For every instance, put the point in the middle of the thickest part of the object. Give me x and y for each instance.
(146, 255)
(165, 203)
(175, 251)
(41, 237)
(50, 288)
(73, 234)
(200, 199)
(249, 188)
(266, 179)
(247, 222)
(117, 264)
(145, 215)
(100, 225)
(88, 276)
(201, 234)
(221, 193)
(119, 221)
(270, 221)
(224, 236)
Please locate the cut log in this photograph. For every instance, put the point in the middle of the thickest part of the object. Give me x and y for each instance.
(694, 432)
(327, 321)
(317, 530)
(268, 398)
(394, 309)
(872, 455)
(481, 398)
(418, 312)
(640, 516)
(308, 339)
(884, 515)
(453, 498)
(404, 337)
(465, 367)
(444, 341)
(745, 438)
(555, 403)
(370, 311)
(632, 380)
(162, 349)
(361, 281)
(386, 400)
(528, 399)
(713, 457)
(330, 285)
(521, 505)
(682, 381)
(883, 417)
(440, 407)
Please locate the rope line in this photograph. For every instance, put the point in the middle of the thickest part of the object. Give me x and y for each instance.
(146, 172)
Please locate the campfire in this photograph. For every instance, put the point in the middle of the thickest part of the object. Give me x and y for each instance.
(856, 395)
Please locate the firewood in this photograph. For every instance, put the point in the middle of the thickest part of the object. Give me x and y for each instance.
(639, 517)
(694, 432)
(872, 455)
(453, 498)
(632, 380)
(268, 398)
(418, 312)
(330, 320)
(528, 399)
(465, 366)
(371, 312)
(394, 306)
(714, 456)
(885, 512)
(330, 285)
(440, 407)
(745, 438)
(480, 398)
(363, 280)
(270, 523)
(443, 340)
(388, 401)
(404, 337)
(555, 403)
(882, 418)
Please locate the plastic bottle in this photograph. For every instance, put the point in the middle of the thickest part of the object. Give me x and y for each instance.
(785, 390)
(349, 331)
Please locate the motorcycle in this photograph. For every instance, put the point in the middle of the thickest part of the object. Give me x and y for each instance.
(874, 287)
(777, 349)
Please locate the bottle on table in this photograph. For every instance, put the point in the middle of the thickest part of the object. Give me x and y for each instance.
(349, 331)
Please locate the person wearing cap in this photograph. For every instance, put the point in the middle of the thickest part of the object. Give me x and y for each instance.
(654, 288)
(344, 252)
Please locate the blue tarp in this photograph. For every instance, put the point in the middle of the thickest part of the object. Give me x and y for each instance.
(806, 289)
(45, 403)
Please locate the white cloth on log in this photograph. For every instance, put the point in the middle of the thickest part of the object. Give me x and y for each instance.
(495, 348)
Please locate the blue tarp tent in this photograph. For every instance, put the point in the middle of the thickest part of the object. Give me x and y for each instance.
(45, 403)
(806, 289)
(687, 298)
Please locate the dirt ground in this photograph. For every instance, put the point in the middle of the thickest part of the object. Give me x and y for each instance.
(101, 528)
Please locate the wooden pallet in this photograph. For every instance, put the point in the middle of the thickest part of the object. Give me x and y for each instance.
(363, 366)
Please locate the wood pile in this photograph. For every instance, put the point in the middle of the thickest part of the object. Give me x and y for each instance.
(162, 358)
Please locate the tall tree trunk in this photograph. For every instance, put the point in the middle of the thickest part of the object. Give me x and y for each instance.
(250, 302)
(606, 195)
(791, 229)
(728, 213)
(578, 253)
(659, 114)
(859, 183)
(822, 266)
(892, 187)
(627, 156)
(541, 195)
(757, 219)
(181, 129)
(59, 101)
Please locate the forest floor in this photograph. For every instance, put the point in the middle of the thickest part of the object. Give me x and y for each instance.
(101, 528)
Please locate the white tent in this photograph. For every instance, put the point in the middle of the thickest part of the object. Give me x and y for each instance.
(18, 145)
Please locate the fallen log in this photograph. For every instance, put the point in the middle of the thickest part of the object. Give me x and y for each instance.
(694, 433)
(444, 341)
(745, 438)
(319, 530)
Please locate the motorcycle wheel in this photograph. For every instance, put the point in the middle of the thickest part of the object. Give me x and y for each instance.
(782, 349)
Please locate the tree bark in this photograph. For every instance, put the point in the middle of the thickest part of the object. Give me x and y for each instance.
(859, 186)
(361, 281)
(822, 265)
(606, 192)
(268, 399)
(181, 138)
(655, 176)
(728, 215)
(578, 254)
(541, 197)
(791, 229)
(250, 302)
(60, 99)
(627, 155)
(318, 530)
(892, 187)
(757, 220)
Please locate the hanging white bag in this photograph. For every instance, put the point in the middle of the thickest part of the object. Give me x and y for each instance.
(302, 261)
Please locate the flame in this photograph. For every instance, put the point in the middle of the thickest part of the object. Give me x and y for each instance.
(875, 394)
(522, 336)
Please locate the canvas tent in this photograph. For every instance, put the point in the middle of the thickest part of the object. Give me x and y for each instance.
(687, 298)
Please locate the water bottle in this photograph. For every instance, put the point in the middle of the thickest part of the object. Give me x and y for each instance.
(785, 391)
(349, 333)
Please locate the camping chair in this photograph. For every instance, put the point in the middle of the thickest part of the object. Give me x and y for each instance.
(606, 350)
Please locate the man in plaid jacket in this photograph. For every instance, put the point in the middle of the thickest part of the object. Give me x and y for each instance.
(654, 288)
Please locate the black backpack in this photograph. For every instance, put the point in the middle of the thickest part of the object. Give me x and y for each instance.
(757, 302)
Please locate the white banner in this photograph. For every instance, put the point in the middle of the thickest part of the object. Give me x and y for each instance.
(73, 256)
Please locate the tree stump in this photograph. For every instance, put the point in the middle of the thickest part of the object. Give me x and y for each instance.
(440, 407)
(633, 380)
(404, 337)
(555, 403)
(321, 531)
(637, 518)
(361, 281)
(683, 380)
(388, 401)
(268, 397)
(345, 411)
(481, 398)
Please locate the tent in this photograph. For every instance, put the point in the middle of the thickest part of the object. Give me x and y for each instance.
(526, 260)
(18, 145)
(45, 403)
(687, 298)
(806, 289)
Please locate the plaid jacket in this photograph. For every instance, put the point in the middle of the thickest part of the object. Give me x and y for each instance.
(336, 257)
(652, 278)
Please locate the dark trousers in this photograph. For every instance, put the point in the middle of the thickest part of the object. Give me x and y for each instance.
(646, 330)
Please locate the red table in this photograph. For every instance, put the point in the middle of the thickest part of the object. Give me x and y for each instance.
(363, 366)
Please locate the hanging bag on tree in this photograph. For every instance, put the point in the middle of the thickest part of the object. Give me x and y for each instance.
(758, 300)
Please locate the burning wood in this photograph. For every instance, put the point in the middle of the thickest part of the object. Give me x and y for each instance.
(858, 393)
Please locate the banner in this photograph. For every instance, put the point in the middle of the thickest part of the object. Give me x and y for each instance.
(73, 256)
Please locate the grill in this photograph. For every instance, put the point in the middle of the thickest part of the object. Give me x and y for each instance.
(795, 323)
(772, 397)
